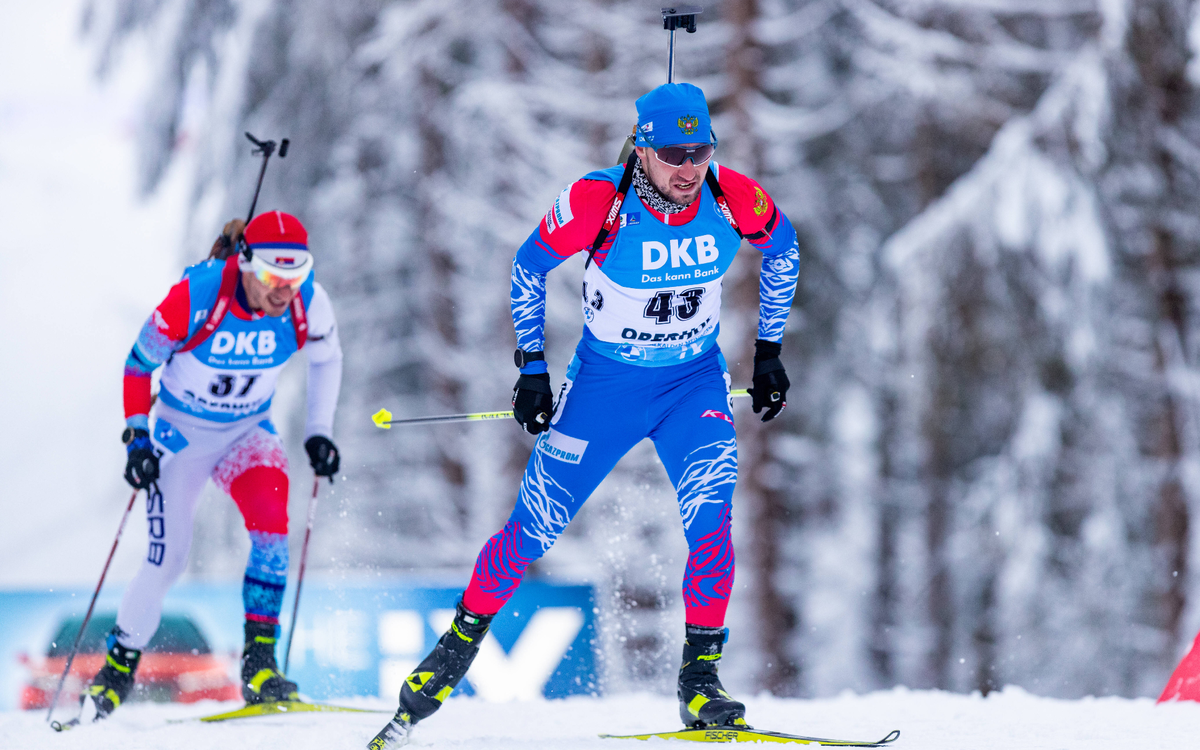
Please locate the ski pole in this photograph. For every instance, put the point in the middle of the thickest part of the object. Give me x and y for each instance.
(383, 418)
(312, 512)
(91, 608)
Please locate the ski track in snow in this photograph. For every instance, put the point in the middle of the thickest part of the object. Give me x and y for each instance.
(927, 720)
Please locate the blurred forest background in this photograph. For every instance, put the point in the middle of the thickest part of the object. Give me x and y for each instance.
(986, 472)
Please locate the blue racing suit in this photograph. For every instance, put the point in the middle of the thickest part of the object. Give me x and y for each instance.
(648, 365)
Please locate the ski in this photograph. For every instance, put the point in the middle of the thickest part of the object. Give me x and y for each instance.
(62, 726)
(276, 708)
(733, 734)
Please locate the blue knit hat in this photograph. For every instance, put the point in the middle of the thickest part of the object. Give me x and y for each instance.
(673, 113)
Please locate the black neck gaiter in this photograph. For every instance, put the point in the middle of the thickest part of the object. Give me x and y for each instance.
(650, 194)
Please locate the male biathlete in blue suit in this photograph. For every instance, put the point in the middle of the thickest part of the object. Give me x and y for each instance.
(648, 366)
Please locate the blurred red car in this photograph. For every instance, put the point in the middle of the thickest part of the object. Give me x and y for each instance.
(177, 665)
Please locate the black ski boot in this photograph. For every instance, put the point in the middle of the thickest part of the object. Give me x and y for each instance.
(262, 682)
(703, 702)
(434, 679)
(113, 683)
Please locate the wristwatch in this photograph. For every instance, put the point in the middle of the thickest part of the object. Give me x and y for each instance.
(522, 357)
(133, 433)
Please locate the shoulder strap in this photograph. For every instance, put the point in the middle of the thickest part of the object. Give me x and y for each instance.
(768, 228)
(299, 320)
(614, 213)
(719, 196)
(229, 279)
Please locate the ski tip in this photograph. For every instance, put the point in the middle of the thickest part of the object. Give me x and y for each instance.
(748, 734)
(381, 419)
(62, 727)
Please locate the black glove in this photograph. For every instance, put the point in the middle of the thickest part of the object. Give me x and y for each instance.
(770, 381)
(141, 465)
(323, 455)
(533, 402)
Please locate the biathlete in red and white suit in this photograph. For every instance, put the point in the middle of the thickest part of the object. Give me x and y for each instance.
(648, 366)
(221, 336)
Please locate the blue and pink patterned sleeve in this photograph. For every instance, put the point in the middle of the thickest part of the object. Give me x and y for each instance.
(528, 297)
(161, 336)
(152, 347)
(767, 230)
(569, 227)
(777, 278)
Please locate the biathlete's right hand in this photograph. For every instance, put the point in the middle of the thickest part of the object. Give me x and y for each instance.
(533, 402)
(141, 466)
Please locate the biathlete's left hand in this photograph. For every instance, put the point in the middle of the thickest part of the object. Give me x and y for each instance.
(323, 455)
(770, 381)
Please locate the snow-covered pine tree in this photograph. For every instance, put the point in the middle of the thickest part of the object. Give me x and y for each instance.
(856, 116)
(1054, 279)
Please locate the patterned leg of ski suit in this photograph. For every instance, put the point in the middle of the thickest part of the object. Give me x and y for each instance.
(246, 459)
(604, 409)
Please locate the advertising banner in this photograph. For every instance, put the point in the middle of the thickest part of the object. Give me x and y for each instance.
(351, 638)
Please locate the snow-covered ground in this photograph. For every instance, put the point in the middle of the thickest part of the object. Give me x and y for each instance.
(1010, 720)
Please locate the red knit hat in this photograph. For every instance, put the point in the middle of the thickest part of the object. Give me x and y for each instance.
(277, 249)
(277, 230)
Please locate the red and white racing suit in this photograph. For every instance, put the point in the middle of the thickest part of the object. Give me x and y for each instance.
(213, 419)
